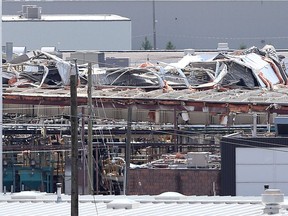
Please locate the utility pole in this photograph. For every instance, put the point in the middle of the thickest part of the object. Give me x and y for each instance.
(74, 142)
(154, 26)
(127, 149)
(90, 133)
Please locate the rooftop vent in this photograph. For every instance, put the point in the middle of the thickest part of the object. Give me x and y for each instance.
(170, 196)
(272, 198)
(123, 204)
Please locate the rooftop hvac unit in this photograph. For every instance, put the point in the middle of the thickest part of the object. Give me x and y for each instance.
(112, 62)
(84, 57)
(223, 47)
(197, 159)
(24, 8)
(34, 13)
(31, 11)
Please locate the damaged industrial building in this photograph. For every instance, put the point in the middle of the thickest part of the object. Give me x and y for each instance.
(156, 126)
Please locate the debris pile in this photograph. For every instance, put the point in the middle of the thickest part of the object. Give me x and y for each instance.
(248, 69)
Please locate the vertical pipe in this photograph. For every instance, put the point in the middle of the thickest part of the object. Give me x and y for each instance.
(254, 131)
(175, 137)
(128, 149)
(124, 183)
(74, 143)
(97, 169)
(268, 122)
(83, 158)
(214, 188)
(59, 199)
(90, 139)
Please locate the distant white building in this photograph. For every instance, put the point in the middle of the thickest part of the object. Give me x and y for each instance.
(34, 30)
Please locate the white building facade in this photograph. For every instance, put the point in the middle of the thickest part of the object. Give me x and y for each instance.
(68, 32)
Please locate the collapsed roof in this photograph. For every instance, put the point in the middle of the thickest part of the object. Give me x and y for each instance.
(249, 69)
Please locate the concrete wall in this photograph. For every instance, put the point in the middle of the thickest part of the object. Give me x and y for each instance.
(184, 181)
(195, 24)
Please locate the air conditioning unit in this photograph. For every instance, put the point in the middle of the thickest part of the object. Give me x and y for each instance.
(31, 12)
(34, 12)
(223, 47)
(197, 159)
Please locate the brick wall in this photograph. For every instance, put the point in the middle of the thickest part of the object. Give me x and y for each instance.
(184, 181)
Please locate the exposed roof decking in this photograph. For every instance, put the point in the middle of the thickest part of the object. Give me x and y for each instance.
(236, 100)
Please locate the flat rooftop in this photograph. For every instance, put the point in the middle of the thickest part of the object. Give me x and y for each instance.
(28, 203)
(68, 17)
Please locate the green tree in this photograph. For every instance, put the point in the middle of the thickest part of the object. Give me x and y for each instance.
(170, 46)
(146, 45)
(242, 46)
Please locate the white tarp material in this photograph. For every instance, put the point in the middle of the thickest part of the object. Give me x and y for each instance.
(186, 60)
(64, 68)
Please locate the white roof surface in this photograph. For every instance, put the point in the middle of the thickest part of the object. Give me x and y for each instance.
(38, 204)
(67, 17)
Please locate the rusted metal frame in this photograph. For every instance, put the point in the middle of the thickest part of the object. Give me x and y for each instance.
(36, 147)
(217, 107)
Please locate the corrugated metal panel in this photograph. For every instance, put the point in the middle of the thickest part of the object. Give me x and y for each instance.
(88, 205)
(88, 208)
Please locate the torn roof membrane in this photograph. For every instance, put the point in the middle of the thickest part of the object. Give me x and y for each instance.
(251, 68)
(37, 67)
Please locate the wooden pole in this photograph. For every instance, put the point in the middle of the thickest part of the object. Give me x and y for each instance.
(74, 143)
(90, 132)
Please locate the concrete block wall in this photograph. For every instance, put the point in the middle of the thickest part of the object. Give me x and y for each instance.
(184, 181)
